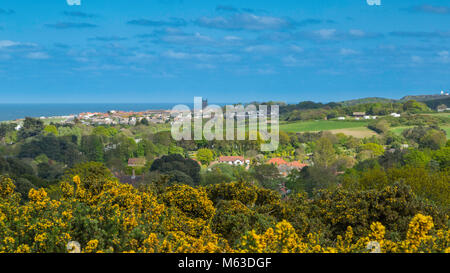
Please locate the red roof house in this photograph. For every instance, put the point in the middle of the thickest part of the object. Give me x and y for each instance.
(277, 161)
(297, 165)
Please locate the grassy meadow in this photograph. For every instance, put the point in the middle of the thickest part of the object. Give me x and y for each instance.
(355, 128)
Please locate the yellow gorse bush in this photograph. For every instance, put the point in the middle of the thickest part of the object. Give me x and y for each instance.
(114, 217)
(283, 239)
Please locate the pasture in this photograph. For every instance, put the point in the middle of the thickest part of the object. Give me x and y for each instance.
(354, 128)
(321, 125)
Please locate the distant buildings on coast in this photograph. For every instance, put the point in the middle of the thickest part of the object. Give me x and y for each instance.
(121, 117)
(112, 117)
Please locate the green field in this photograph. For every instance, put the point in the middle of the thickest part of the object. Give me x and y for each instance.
(47, 121)
(399, 130)
(321, 125)
(447, 130)
(447, 115)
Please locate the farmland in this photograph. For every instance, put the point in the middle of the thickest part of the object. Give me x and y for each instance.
(399, 130)
(350, 127)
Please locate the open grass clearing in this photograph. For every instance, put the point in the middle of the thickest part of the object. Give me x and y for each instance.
(321, 125)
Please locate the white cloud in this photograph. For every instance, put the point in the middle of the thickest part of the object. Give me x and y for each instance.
(297, 48)
(184, 38)
(101, 67)
(416, 59)
(205, 66)
(241, 21)
(205, 57)
(142, 56)
(7, 44)
(326, 33)
(37, 56)
(331, 72)
(357, 32)
(232, 38)
(258, 48)
(292, 61)
(265, 71)
(444, 56)
(176, 55)
(347, 51)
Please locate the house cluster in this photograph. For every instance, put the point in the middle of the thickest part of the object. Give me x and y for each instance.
(283, 166)
(234, 160)
(122, 117)
(286, 167)
(442, 108)
(362, 115)
(179, 115)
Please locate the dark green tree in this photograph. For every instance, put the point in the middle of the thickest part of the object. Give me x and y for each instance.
(31, 127)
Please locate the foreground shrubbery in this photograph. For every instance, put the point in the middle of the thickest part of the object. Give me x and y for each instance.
(104, 215)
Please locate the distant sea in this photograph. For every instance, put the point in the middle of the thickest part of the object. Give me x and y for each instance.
(19, 111)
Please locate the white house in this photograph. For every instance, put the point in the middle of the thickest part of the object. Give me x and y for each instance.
(234, 160)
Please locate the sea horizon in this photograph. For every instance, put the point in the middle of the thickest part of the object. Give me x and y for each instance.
(14, 111)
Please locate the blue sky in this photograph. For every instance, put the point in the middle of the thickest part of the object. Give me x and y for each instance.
(227, 51)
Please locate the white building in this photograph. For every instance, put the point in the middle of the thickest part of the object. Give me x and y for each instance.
(234, 160)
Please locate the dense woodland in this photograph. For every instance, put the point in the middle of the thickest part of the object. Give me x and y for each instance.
(62, 183)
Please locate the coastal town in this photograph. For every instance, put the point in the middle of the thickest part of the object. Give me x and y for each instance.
(132, 118)
(112, 117)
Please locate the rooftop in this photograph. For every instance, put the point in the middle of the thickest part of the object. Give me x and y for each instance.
(230, 158)
(136, 161)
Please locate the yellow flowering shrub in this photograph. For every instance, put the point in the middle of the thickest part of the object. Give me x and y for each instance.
(246, 193)
(37, 226)
(6, 187)
(175, 220)
(91, 246)
(233, 219)
(283, 239)
(107, 216)
(192, 201)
